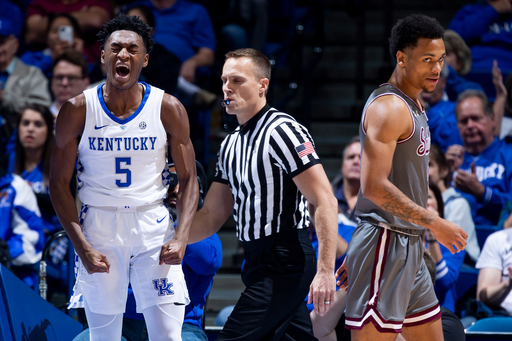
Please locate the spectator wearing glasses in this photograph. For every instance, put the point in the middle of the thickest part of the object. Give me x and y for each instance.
(70, 78)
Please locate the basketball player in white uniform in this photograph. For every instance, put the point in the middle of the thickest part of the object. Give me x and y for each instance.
(120, 132)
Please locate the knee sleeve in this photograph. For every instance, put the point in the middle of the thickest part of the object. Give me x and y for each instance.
(104, 327)
(164, 321)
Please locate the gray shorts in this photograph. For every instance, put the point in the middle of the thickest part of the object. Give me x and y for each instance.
(388, 281)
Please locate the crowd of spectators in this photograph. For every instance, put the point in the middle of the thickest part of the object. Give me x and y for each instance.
(470, 118)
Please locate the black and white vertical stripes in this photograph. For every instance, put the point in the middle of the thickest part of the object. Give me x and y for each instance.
(259, 162)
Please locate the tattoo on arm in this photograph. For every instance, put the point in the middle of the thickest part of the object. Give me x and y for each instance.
(396, 203)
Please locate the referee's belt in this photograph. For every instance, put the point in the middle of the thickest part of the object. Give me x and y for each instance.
(409, 232)
(127, 209)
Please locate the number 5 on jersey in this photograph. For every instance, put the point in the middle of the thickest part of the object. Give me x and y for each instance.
(127, 161)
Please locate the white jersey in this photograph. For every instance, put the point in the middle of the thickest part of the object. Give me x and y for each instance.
(497, 254)
(122, 162)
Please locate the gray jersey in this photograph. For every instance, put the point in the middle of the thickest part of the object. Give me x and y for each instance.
(409, 170)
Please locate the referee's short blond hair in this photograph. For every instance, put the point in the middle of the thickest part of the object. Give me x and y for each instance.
(261, 61)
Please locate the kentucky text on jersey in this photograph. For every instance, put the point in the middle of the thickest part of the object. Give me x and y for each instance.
(122, 143)
(495, 170)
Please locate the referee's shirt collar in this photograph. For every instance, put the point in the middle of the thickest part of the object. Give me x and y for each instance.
(247, 127)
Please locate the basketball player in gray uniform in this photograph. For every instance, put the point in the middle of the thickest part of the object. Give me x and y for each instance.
(121, 131)
(388, 283)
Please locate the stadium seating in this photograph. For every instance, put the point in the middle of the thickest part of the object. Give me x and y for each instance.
(482, 232)
(465, 287)
(490, 329)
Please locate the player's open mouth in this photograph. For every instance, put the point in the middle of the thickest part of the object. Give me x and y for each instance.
(122, 70)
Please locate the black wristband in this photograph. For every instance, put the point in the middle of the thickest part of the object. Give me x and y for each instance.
(431, 240)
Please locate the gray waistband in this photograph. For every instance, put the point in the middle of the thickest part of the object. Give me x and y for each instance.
(409, 232)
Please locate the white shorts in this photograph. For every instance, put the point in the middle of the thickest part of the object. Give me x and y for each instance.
(131, 239)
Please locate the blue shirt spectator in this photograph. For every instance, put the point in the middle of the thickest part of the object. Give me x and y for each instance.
(35, 180)
(455, 85)
(443, 124)
(21, 226)
(447, 264)
(447, 273)
(493, 168)
(441, 114)
(201, 262)
(182, 28)
(484, 172)
(458, 60)
(487, 29)
(41, 59)
(185, 29)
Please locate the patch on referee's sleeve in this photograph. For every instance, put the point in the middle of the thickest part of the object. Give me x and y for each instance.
(305, 149)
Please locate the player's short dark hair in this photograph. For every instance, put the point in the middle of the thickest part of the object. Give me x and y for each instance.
(74, 57)
(407, 31)
(123, 22)
(259, 59)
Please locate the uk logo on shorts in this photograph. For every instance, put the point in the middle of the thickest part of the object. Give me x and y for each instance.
(163, 287)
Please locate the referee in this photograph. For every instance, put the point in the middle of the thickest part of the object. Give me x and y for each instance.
(266, 170)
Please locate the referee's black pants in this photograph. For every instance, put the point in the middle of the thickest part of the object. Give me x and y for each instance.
(277, 273)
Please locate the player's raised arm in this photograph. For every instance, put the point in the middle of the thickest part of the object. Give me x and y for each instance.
(70, 124)
(175, 121)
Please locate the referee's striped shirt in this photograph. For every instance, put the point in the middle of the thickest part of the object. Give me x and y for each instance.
(258, 163)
